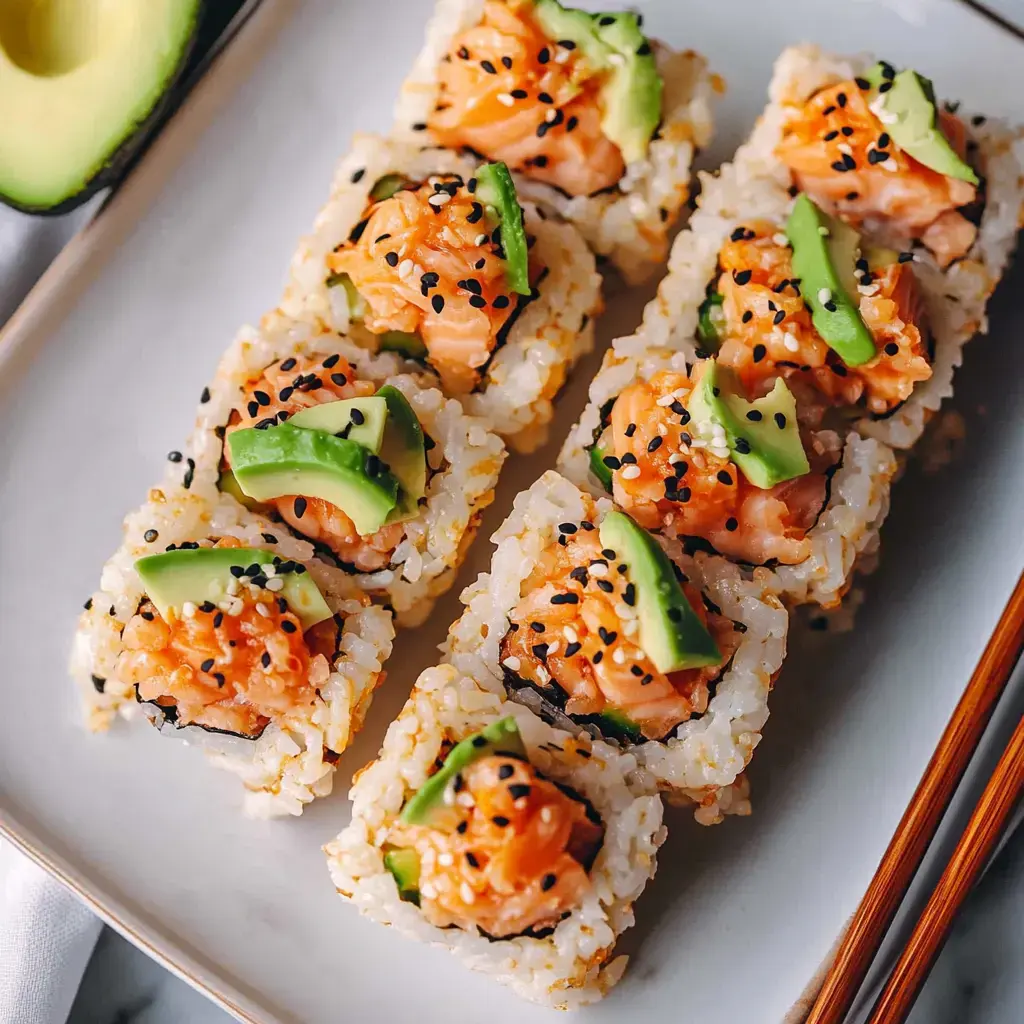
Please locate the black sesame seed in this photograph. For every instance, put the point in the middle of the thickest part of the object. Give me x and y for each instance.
(573, 648)
(611, 462)
(742, 277)
(754, 415)
(540, 651)
(629, 594)
(548, 882)
(724, 477)
(742, 446)
(205, 396)
(506, 771)
(654, 444)
(206, 665)
(828, 110)
(905, 257)
(149, 536)
(544, 56)
(190, 473)
(488, 67)
(862, 83)
(731, 524)
(605, 586)
(878, 156)
(461, 827)
(288, 626)
(841, 99)
(88, 604)
(684, 495)
(572, 123)
(779, 317)
(759, 353)
(629, 459)
(780, 420)
(438, 303)
(518, 790)
(477, 301)
(391, 259)
(174, 456)
(463, 53)
(565, 599)
(636, 670)
(300, 507)
(892, 349)
(500, 820)
(831, 135)
(545, 97)
(598, 657)
(471, 859)
(537, 627)
(500, 302)
(838, 165)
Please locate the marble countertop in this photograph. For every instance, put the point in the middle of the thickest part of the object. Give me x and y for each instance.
(978, 979)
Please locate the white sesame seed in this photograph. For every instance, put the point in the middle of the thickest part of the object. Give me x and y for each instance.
(439, 199)
(630, 626)
(624, 611)
(546, 814)
(665, 401)
(662, 429)
(543, 675)
(792, 345)
(232, 587)
(845, 147)
(561, 56)
(824, 295)
(188, 609)
(868, 289)
(466, 893)
(505, 99)
(598, 569)
(513, 663)
(616, 59)
(823, 231)
(619, 656)
(630, 472)
(551, 115)
(780, 239)
(570, 634)
(480, 239)
(263, 609)
(445, 859)
(554, 647)
(405, 268)
(275, 584)
(428, 890)
(465, 799)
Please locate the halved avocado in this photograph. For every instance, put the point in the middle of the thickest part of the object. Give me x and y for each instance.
(432, 805)
(82, 83)
(195, 575)
(287, 460)
(497, 191)
(358, 419)
(671, 634)
(404, 452)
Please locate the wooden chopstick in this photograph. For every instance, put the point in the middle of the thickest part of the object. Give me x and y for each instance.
(920, 820)
(969, 859)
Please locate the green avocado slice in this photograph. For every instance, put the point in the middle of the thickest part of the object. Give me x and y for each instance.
(404, 865)
(824, 258)
(404, 452)
(598, 469)
(631, 96)
(356, 303)
(497, 191)
(287, 460)
(195, 575)
(82, 85)
(709, 317)
(410, 345)
(388, 185)
(763, 436)
(911, 117)
(361, 420)
(671, 634)
(227, 484)
(434, 804)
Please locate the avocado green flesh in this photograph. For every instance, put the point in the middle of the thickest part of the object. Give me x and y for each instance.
(671, 634)
(404, 452)
(600, 471)
(824, 254)
(79, 79)
(496, 190)
(631, 97)
(913, 122)
(195, 575)
(410, 345)
(337, 418)
(619, 722)
(386, 187)
(776, 453)
(706, 329)
(356, 303)
(227, 484)
(404, 865)
(288, 460)
(429, 807)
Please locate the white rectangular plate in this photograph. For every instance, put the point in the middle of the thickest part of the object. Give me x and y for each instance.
(739, 916)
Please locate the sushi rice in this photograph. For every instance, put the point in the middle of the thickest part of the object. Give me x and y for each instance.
(847, 529)
(291, 763)
(524, 375)
(703, 758)
(630, 224)
(466, 458)
(574, 964)
(755, 185)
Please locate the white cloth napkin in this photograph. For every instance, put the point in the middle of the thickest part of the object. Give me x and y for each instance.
(46, 939)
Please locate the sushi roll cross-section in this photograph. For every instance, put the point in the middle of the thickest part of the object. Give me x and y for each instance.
(434, 256)
(595, 119)
(606, 629)
(518, 846)
(349, 450)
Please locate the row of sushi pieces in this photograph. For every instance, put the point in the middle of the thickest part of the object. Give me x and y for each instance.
(346, 449)
(735, 460)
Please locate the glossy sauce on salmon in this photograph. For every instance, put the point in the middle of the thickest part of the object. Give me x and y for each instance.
(510, 93)
(576, 629)
(283, 389)
(667, 477)
(232, 671)
(425, 262)
(517, 861)
(766, 330)
(840, 153)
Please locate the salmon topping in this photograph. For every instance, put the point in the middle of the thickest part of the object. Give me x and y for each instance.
(426, 262)
(512, 94)
(576, 629)
(233, 673)
(519, 858)
(667, 478)
(767, 330)
(288, 387)
(841, 154)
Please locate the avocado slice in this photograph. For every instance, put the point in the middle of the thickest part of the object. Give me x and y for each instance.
(709, 317)
(433, 805)
(908, 100)
(616, 723)
(497, 191)
(356, 303)
(358, 419)
(630, 98)
(195, 575)
(287, 460)
(600, 471)
(404, 864)
(824, 260)
(763, 436)
(671, 634)
(410, 345)
(404, 452)
(387, 186)
(227, 484)
(83, 84)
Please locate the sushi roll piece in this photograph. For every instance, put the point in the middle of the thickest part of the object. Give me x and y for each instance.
(517, 845)
(433, 255)
(685, 447)
(597, 121)
(228, 632)
(355, 452)
(604, 628)
(916, 207)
